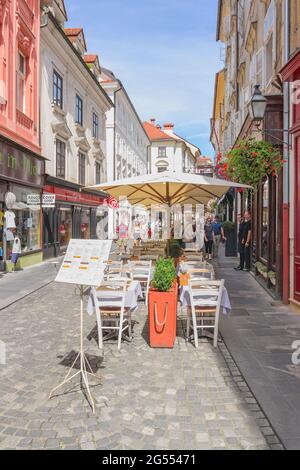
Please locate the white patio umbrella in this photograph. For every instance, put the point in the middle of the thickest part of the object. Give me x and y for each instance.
(168, 188)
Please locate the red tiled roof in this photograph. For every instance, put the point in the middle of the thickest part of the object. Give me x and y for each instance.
(73, 31)
(90, 58)
(154, 133)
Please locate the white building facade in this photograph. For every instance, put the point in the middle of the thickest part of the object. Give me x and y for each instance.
(127, 141)
(73, 130)
(168, 151)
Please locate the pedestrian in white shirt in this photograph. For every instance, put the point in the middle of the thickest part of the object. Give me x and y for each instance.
(16, 251)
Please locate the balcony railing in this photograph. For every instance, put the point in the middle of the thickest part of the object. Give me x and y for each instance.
(23, 120)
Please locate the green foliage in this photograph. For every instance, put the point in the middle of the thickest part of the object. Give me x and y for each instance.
(251, 161)
(261, 268)
(228, 226)
(271, 275)
(164, 275)
(175, 248)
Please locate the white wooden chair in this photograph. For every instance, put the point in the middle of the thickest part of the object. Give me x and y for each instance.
(111, 313)
(119, 273)
(205, 298)
(201, 273)
(141, 271)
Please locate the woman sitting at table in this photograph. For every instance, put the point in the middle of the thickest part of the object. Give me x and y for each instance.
(209, 237)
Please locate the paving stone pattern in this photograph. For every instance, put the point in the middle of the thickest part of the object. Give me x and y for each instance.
(157, 399)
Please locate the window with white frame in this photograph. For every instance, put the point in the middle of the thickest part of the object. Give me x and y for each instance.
(162, 152)
(270, 51)
(78, 110)
(21, 82)
(95, 126)
(57, 89)
(60, 159)
(81, 169)
(98, 172)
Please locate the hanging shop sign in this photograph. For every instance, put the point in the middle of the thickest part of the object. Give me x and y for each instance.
(33, 200)
(112, 203)
(48, 201)
(20, 165)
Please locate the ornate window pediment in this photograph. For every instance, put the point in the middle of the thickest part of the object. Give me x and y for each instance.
(81, 141)
(61, 129)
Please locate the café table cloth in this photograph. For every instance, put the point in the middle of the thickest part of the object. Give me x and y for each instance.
(133, 292)
(225, 301)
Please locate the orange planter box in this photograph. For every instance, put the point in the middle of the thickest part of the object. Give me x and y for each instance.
(162, 312)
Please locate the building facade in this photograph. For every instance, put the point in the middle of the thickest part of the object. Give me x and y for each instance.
(73, 132)
(251, 34)
(291, 77)
(168, 151)
(127, 142)
(21, 164)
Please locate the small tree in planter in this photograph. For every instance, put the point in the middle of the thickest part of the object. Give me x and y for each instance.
(231, 241)
(162, 305)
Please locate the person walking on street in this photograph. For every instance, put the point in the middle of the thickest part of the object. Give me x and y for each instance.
(219, 235)
(209, 238)
(245, 237)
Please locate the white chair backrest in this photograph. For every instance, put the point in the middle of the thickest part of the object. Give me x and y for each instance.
(124, 273)
(110, 294)
(111, 264)
(201, 273)
(206, 293)
(141, 270)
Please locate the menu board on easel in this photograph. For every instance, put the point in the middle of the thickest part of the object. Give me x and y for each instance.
(84, 262)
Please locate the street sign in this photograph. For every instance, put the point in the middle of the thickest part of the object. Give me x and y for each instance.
(48, 201)
(33, 200)
(113, 203)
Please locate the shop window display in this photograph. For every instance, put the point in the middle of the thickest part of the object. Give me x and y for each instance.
(28, 224)
(85, 225)
(65, 226)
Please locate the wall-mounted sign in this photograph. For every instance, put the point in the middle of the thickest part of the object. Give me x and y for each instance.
(33, 200)
(113, 203)
(19, 165)
(48, 201)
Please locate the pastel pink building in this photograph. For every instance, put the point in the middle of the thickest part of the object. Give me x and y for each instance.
(19, 71)
(22, 167)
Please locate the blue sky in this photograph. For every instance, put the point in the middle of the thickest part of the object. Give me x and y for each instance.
(163, 51)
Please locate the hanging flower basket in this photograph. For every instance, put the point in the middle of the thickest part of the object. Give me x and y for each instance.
(251, 161)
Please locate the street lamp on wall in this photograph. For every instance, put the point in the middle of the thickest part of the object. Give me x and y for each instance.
(257, 109)
(257, 105)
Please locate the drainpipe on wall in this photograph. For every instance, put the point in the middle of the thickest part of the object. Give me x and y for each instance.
(286, 153)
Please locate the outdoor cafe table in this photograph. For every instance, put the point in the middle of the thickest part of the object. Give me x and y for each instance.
(133, 292)
(186, 301)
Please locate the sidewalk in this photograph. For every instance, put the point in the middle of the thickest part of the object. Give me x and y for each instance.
(259, 336)
(16, 286)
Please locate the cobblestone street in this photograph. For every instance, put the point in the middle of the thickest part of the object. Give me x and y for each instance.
(157, 399)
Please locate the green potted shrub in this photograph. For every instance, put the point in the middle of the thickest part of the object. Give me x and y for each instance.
(272, 277)
(162, 304)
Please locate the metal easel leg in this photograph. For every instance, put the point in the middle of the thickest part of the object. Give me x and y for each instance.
(83, 361)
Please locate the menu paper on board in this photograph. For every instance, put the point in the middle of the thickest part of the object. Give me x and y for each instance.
(84, 262)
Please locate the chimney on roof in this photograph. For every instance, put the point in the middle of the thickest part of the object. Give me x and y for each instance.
(158, 127)
(168, 126)
(152, 120)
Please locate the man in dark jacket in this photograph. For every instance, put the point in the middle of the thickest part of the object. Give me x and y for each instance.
(244, 237)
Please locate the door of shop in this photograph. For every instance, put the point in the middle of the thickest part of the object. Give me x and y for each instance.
(297, 218)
